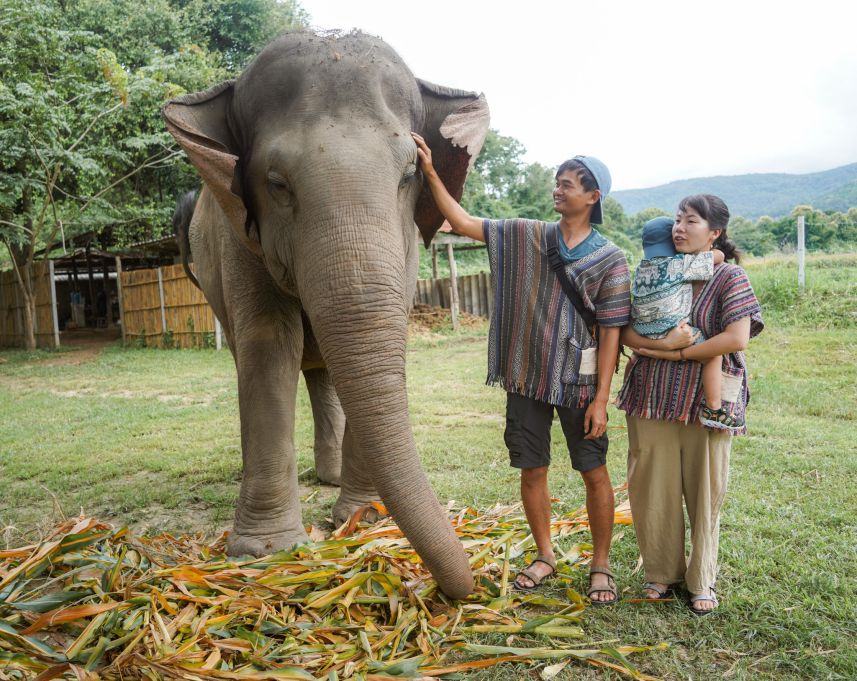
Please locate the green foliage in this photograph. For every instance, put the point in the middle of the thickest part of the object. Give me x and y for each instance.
(237, 29)
(471, 261)
(502, 185)
(82, 145)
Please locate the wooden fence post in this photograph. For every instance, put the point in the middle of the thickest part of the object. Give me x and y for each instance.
(120, 297)
(453, 286)
(19, 317)
(34, 279)
(434, 261)
(218, 335)
(485, 279)
(54, 315)
(161, 294)
(801, 253)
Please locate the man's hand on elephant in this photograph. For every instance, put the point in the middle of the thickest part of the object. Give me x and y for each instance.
(461, 222)
(595, 420)
(424, 153)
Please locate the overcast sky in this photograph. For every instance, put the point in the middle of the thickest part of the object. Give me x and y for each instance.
(659, 90)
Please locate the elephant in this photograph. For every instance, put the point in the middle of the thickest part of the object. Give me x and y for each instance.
(305, 245)
(327, 413)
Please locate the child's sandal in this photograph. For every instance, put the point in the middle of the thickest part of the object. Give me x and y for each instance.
(721, 418)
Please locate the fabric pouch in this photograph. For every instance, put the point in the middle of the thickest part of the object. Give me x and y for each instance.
(731, 385)
(581, 364)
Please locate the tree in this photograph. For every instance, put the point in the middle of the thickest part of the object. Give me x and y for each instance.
(635, 223)
(82, 144)
(237, 29)
(532, 193)
(751, 237)
(498, 169)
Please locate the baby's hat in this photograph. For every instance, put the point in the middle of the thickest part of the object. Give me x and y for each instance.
(658, 237)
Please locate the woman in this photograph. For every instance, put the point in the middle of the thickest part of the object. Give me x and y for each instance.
(671, 456)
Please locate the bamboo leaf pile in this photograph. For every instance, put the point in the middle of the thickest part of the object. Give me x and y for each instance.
(93, 602)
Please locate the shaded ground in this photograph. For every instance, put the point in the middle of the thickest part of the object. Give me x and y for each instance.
(81, 345)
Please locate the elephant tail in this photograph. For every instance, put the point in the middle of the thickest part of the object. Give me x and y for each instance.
(181, 223)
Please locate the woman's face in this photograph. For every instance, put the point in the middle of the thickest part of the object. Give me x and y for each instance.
(691, 233)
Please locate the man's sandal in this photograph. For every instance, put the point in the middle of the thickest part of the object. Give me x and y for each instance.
(662, 594)
(696, 598)
(721, 418)
(610, 588)
(534, 576)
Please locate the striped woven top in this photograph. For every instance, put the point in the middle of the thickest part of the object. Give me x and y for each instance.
(537, 345)
(672, 391)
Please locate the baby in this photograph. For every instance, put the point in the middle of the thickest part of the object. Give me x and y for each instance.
(662, 298)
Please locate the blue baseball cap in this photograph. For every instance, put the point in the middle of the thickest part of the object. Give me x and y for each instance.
(602, 179)
(658, 238)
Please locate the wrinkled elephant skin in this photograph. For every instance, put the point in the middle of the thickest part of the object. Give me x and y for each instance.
(312, 189)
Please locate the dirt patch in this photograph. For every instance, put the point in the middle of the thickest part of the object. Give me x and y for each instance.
(83, 345)
(427, 319)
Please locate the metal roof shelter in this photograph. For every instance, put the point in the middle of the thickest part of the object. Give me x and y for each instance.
(82, 281)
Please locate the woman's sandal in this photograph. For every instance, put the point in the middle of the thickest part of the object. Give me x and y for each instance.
(696, 598)
(662, 594)
(611, 586)
(721, 418)
(533, 576)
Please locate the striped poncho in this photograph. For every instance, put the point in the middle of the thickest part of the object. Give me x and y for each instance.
(538, 346)
(672, 391)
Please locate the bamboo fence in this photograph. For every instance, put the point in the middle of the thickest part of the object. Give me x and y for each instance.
(12, 309)
(162, 308)
(474, 294)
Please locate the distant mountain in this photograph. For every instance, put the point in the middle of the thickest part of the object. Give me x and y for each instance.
(754, 195)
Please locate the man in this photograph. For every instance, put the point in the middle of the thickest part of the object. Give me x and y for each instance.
(542, 352)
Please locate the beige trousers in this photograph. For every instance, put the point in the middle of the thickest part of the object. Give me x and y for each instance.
(669, 462)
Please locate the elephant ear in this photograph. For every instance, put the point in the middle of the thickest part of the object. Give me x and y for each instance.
(456, 123)
(199, 123)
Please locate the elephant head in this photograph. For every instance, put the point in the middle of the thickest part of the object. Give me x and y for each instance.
(309, 156)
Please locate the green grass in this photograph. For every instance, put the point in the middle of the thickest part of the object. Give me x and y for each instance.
(830, 298)
(151, 438)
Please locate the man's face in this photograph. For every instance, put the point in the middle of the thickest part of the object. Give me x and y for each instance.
(569, 196)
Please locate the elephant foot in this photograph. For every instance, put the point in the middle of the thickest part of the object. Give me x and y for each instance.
(328, 476)
(344, 509)
(263, 544)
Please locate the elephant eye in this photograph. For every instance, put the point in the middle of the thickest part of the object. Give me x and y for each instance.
(411, 173)
(280, 189)
(278, 181)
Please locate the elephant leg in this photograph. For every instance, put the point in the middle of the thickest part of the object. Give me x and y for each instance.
(268, 349)
(329, 425)
(356, 487)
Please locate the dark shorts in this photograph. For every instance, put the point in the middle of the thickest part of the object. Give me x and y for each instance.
(528, 435)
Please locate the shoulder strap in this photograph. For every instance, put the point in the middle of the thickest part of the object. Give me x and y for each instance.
(558, 266)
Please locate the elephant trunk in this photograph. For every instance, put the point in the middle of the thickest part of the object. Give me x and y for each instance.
(354, 292)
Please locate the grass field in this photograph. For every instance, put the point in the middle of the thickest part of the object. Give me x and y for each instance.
(150, 438)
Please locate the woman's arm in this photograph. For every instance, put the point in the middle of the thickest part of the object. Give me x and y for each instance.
(459, 219)
(679, 337)
(733, 338)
